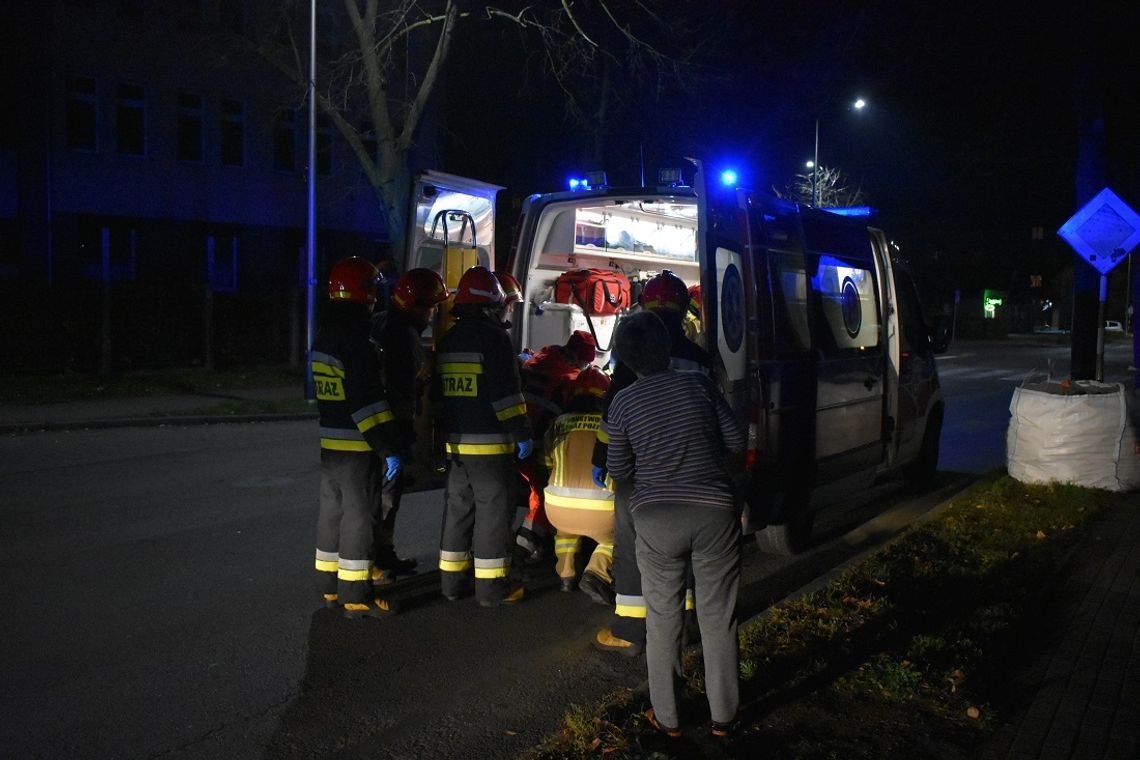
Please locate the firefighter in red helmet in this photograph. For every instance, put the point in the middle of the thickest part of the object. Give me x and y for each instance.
(359, 436)
(667, 296)
(693, 316)
(396, 337)
(485, 425)
(512, 296)
(574, 504)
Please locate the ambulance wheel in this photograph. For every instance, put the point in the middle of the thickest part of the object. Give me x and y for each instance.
(921, 471)
(787, 538)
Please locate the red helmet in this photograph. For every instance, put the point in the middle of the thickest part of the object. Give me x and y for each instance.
(478, 285)
(665, 291)
(512, 288)
(354, 279)
(421, 288)
(590, 382)
(695, 294)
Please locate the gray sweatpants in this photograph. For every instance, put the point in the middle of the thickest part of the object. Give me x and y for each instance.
(670, 536)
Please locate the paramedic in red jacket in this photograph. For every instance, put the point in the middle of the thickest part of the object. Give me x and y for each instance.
(547, 377)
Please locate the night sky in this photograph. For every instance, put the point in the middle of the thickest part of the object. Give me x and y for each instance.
(969, 140)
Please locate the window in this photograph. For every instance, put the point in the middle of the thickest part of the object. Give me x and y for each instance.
(130, 119)
(222, 263)
(107, 249)
(789, 295)
(285, 141)
(324, 145)
(81, 108)
(189, 127)
(849, 303)
(233, 133)
(914, 336)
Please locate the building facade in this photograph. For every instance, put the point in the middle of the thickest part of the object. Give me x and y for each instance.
(153, 190)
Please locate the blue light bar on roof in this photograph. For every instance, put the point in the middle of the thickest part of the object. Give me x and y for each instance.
(850, 210)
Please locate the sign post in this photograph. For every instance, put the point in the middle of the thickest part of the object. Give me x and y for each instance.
(1102, 233)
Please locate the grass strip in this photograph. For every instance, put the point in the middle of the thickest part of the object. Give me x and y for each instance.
(908, 653)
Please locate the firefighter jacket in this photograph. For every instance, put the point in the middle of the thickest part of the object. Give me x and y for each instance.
(684, 355)
(351, 403)
(569, 446)
(405, 366)
(477, 381)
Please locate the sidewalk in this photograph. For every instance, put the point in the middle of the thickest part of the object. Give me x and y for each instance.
(163, 409)
(1082, 693)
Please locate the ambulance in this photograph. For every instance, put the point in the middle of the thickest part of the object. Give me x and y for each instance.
(817, 334)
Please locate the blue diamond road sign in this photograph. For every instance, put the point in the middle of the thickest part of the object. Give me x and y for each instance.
(1103, 232)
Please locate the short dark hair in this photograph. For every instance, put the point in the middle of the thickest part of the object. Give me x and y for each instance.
(642, 343)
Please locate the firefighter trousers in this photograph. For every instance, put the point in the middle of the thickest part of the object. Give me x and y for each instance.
(566, 547)
(383, 546)
(629, 606)
(345, 523)
(477, 516)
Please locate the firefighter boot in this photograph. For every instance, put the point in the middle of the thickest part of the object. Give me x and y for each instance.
(377, 608)
(595, 587)
(605, 641)
(514, 596)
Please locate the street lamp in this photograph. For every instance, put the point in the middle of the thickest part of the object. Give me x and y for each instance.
(858, 105)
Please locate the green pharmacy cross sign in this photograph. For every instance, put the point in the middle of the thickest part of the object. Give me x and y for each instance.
(1103, 231)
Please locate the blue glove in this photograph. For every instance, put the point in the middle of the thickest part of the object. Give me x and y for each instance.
(395, 467)
(600, 477)
(525, 448)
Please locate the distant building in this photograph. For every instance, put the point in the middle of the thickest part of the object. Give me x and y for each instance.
(153, 192)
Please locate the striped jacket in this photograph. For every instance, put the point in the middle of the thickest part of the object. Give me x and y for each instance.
(669, 433)
(482, 409)
(354, 413)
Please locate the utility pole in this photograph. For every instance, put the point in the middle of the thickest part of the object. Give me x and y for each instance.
(311, 242)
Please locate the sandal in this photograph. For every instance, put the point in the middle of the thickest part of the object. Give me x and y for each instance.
(651, 718)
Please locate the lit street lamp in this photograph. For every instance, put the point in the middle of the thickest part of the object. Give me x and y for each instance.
(858, 105)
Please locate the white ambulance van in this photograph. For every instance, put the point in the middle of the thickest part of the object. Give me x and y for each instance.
(817, 335)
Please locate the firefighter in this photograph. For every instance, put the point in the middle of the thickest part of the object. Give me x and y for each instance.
(512, 296)
(546, 378)
(396, 336)
(666, 296)
(574, 504)
(485, 424)
(358, 435)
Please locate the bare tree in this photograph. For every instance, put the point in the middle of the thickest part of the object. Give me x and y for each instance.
(834, 190)
(377, 76)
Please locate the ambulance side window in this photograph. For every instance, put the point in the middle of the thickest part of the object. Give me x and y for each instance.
(848, 304)
(914, 335)
(790, 301)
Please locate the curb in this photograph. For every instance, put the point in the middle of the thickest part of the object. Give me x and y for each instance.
(18, 428)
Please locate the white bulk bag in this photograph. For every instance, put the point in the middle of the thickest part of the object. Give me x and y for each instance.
(1081, 434)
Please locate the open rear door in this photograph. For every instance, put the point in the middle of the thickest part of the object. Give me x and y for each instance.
(452, 228)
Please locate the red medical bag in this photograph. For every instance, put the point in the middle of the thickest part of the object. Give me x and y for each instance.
(597, 291)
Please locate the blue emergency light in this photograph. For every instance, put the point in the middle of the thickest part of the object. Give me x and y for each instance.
(728, 177)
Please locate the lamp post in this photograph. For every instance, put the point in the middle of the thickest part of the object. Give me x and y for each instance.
(858, 105)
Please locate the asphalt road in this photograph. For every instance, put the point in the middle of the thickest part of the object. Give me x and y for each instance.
(159, 602)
